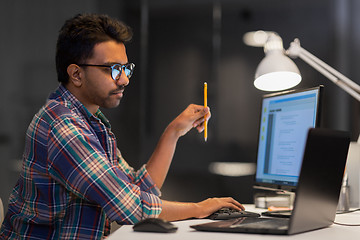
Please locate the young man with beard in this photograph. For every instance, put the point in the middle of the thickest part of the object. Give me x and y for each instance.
(74, 181)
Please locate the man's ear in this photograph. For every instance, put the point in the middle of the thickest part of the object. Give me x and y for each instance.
(74, 72)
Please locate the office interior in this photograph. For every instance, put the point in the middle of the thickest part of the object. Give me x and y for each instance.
(177, 46)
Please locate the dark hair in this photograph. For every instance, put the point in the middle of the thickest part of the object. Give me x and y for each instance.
(80, 34)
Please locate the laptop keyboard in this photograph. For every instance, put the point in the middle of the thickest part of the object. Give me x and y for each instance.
(227, 213)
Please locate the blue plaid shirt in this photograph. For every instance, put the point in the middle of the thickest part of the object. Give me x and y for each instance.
(74, 181)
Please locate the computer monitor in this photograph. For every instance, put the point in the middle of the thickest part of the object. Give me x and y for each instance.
(284, 123)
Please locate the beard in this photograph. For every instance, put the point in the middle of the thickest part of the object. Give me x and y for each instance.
(113, 99)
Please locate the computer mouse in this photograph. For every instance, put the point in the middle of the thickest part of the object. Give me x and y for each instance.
(154, 225)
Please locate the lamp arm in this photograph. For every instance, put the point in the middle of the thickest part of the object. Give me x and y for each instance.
(336, 77)
(334, 72)
(331, 77)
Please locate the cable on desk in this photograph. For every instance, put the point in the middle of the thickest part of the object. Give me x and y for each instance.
(346, 224)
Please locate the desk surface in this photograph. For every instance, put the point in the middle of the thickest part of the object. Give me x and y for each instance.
(185, 232)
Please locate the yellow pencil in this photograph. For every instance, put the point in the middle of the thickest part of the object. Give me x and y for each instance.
(205, 105)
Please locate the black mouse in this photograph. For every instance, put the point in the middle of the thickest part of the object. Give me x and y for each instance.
(154, 225)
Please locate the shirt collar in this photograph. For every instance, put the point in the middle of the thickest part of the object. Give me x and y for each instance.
(62, 94)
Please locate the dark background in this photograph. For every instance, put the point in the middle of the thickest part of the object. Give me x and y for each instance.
(176, 47)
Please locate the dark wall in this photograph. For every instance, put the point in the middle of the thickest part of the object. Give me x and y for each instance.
(176, 47)
(189, 44)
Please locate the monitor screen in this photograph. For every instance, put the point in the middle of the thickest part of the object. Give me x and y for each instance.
(284, 123)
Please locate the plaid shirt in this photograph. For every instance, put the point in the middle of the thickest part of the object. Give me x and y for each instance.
(74, 181)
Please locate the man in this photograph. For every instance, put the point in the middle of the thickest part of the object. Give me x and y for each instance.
(74, 181)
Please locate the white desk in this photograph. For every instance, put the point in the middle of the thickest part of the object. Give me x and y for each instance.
(184, 232)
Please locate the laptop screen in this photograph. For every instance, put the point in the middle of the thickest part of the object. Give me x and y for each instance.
(285, 120)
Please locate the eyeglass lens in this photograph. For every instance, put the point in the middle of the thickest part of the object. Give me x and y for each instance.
(117, 69)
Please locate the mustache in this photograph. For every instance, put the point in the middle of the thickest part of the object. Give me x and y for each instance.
(120, 88)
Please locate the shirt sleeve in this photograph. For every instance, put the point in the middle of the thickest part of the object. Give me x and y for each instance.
(78, 161)
(141, 177)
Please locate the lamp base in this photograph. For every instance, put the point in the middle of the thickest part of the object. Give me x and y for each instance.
(353, 171)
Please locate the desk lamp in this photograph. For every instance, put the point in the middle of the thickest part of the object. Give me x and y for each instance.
(278, 72)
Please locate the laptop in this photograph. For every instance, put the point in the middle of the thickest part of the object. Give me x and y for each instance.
(317, 192)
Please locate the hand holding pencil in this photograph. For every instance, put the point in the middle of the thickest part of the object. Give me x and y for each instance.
(194, 116)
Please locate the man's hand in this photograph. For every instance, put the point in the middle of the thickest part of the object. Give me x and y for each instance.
(191, 117)
(173, 211)
(211, 205)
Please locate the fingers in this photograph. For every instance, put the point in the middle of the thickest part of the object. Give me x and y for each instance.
(235, 204)
(229, 202)
(199, 110)
(211, 205)
(200, 118)
(192, 117)
(199, 122)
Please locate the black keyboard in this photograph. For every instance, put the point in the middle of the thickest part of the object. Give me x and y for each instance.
(227, 213)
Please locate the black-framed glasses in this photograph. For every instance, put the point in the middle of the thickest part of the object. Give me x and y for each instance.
(116, 69)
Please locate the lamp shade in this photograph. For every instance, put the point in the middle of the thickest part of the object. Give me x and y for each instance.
(276, 72)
